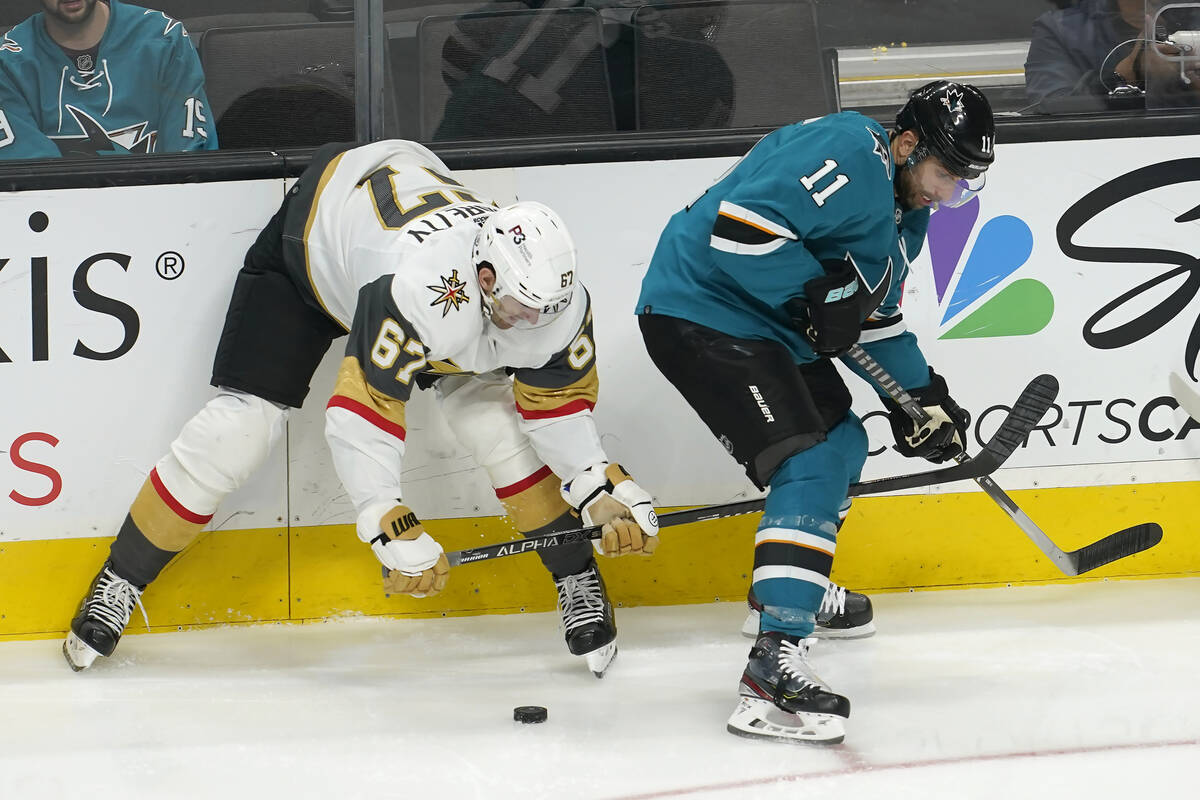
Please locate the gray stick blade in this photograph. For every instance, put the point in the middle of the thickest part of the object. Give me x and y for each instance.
(1026, 413)
(1116, 546)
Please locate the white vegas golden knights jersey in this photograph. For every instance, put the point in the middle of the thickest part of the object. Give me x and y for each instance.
(388, 249)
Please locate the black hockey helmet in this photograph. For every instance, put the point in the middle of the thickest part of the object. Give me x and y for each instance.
(954, 121)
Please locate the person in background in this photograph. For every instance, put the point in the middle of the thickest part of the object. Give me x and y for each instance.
(1098, 48)
(100, 77)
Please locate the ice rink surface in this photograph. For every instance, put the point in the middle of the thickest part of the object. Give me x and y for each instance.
(1071, 691)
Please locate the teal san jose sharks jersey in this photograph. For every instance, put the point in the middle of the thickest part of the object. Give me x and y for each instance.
(142, 93)
(808, 192)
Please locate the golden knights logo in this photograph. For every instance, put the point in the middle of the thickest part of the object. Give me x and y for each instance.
(451, 294)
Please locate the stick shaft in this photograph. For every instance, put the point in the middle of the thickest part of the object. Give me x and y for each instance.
(1026, 412)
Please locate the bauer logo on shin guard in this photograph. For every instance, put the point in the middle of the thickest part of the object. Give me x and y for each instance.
(762, 404)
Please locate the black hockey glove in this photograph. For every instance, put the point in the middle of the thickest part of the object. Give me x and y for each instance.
(940, 439)
(830, 314)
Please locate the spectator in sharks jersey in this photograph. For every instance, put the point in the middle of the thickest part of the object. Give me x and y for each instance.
(100, 77)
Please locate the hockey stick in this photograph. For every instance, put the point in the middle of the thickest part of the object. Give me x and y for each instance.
(1111, 548)
(1184, 392)
(1026, 412)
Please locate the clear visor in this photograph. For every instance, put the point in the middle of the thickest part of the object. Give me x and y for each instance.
(943, 187)
(964, 189)
(509, 312)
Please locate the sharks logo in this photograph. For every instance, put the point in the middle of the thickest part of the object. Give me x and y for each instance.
(95, 139)
(953, 100)
(451, 294)
(171, 23)
(882, 149)
(9, 45)
(877, 293)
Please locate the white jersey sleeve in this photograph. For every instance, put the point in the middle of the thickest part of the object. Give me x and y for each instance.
(555, 399)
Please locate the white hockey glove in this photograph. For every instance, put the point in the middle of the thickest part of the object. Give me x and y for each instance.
(605, 495)
(938, 440)
(416, 562)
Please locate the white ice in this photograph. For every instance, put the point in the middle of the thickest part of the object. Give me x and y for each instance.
(1086, 690)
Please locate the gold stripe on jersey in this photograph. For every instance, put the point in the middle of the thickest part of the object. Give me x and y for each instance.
(161, 524)
(537, 402)
(447, 367)
(326, 174)
(352, 384)
(535, 506)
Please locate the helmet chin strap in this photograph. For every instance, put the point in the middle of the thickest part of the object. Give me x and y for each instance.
(918, 154)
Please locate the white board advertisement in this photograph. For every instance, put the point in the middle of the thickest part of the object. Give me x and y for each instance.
(1080, 259)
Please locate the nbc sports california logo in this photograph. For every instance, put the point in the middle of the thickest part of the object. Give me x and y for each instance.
(1003, 244)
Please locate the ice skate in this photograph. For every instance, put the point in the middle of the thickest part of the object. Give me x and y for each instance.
(101, 619)
(587, 615)
(843, 615)
(782, 699)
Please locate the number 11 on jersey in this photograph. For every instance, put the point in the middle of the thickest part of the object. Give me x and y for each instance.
(810, 182)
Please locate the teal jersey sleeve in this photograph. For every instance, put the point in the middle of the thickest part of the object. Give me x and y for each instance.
(20, 135)
(186, 122)
(885, 335)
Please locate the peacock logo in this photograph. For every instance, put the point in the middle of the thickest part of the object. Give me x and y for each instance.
(1019, 308)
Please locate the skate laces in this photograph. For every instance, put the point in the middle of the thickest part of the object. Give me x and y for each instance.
(580, 599)
(113, 600)
(834, 601)
(793, 663)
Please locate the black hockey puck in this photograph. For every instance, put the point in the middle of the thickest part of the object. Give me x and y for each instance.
(529, 714)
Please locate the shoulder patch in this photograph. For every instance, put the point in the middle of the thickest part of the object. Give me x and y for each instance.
(451, 293)
(9, 46)
(883, 149)
(170, 24)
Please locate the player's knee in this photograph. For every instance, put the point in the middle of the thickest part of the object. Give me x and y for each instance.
(484, 421)
(850, 438)
(765, 468)
(221, 447)
(838, 456)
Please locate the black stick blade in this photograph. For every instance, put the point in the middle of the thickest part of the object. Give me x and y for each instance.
(1117, 546)
(1026, 413)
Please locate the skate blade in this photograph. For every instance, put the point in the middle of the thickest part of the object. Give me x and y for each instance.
(599, 661)
(750, 629)
(78, 654)
(750, 626)
(755, 718)
(857, 632)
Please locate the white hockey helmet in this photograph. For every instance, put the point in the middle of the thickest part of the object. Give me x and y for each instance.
(529, 249)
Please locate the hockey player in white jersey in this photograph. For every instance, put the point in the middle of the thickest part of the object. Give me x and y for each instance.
(435, 287)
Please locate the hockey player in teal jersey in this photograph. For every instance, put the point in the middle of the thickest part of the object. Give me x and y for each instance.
(795, 254)
(89, 77)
